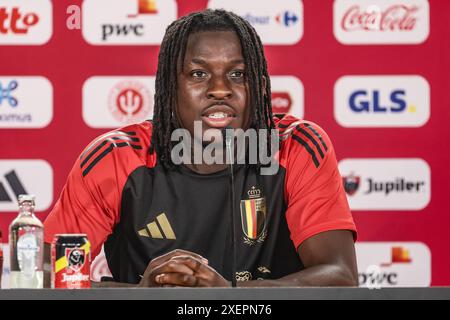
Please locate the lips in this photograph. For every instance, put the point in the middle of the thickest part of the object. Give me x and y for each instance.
(218, 116)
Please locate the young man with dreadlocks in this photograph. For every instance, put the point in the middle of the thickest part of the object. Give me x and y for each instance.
(163, 224)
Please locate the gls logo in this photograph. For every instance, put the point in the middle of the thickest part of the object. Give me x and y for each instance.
(382, 101)
(25, 22)
(283, 27)
(118, 22)
(25, 177)
(365, 101)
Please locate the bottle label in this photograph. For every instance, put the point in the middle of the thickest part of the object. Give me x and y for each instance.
(27, 248)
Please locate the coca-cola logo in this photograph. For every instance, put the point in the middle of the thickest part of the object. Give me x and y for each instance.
(394, 18)
(281, 102)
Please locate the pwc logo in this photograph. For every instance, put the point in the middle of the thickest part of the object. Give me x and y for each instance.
(381, 21)
(384, 264)
(111, 102)
(131, 22)
(25, 102)
(25, 22)
(382, 101)
(279, 23)
(287, 95)
(25, 177)
(386, 184)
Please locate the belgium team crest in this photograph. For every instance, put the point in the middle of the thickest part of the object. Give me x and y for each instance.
(253, 218)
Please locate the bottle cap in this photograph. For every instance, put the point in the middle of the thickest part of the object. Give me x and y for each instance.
(26, 198)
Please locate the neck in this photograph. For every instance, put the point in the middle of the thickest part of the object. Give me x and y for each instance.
(208, 165)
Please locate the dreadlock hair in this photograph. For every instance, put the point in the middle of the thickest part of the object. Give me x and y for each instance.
(173, 50)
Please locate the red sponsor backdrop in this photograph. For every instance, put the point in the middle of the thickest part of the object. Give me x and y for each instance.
(67, 60)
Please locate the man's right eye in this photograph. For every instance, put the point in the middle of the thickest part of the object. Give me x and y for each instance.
(197, 74)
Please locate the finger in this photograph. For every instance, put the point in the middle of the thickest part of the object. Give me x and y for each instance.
(178, 252)
(176, 279)
(206, 275)
(172, 266)
(196, 265)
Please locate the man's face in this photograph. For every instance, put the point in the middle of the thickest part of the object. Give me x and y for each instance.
(212, 86)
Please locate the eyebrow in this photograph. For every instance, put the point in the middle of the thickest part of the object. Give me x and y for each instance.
(203, 62)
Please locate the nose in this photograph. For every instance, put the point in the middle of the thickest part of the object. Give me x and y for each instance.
(219, 89)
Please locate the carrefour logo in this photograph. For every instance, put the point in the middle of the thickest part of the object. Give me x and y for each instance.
(279, 23)
(287, 18)
(382, 101)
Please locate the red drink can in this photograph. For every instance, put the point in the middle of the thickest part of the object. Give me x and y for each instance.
(1, 258)
(71, 261)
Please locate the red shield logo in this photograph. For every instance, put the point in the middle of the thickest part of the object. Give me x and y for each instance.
(76, 258)
(351, 184)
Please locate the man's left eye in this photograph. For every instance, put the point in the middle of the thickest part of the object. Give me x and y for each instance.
(237, 74)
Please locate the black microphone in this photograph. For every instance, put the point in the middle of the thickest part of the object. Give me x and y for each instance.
(227, 134)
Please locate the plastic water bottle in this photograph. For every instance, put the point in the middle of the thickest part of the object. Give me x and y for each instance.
(26, 243)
